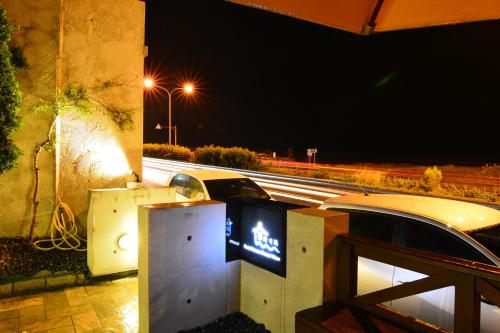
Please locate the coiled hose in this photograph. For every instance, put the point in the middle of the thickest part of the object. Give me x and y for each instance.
(63, 231)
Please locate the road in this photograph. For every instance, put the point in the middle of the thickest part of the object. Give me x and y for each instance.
(298, 190)
(289, 189)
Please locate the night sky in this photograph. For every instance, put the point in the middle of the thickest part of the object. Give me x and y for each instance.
(270, 82)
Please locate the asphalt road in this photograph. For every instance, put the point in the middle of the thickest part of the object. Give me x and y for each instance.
(288, 189)
(298, 190)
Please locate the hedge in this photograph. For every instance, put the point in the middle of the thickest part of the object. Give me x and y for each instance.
(170, 152)
(233, 157)
(10, 99)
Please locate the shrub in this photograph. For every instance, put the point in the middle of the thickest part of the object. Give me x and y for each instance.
(369, 178)
(406, 184)
(432, 179)
(170, 152)
(10, 99)
(234, 157)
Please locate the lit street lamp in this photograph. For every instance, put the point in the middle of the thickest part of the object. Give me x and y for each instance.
(187, 88)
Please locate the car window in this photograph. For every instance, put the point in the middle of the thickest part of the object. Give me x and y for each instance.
(422, 236)
(489, 238)
(372, 225)
(194, 189)
(179, 183)
(234, 188)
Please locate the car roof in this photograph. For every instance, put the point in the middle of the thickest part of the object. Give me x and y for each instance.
(464, 216)
(204, 174)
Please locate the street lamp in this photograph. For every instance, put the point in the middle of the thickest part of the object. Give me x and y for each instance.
(187, 88)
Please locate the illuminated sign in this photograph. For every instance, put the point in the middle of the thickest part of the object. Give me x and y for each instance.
(233, 231)
(263, 244)
(229, 231)
(256, 233)
(263, 235)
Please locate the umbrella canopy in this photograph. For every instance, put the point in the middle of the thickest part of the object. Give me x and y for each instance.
(366, 16)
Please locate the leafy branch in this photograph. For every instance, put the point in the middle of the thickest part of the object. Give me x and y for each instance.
(75, 98)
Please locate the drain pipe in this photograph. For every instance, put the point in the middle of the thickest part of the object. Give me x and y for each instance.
(370, 25)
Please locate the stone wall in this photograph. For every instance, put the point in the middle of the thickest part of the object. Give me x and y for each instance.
(103, 41)
(88, 43)
(38, 37)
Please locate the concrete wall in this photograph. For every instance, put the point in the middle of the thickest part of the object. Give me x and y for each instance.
(88, 43)
(38, 37)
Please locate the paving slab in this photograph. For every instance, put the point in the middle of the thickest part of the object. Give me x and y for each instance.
(102, 307)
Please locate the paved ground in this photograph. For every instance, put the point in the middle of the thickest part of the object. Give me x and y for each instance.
(108, 307)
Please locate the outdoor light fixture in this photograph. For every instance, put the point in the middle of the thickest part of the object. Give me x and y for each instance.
(112, 230)
(148, 83)
(188, 88)
(124, 242)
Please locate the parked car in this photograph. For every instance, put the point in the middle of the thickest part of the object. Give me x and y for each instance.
(449, 227)
(201, 184)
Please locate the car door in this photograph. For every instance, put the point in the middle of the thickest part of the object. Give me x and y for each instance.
(437, 306)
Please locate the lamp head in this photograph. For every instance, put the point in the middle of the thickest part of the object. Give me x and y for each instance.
(188, 88)
(148, 83)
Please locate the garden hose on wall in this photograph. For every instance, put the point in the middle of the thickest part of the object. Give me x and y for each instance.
(63, 231)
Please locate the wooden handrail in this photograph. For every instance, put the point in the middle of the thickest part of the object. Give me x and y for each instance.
(470, 280)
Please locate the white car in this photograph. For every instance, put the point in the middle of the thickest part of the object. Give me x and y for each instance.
(449, 227)
(202, 184)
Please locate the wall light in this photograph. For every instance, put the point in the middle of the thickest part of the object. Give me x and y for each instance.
(124, 242)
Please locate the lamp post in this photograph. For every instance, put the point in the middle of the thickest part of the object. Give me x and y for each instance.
(187, 88)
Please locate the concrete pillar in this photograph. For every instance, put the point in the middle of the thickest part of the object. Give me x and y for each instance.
(182, 265)
(311, 257)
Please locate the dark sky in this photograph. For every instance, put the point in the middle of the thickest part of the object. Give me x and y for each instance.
(270, 82)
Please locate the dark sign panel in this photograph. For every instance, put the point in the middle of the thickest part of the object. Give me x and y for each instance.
(263, 237)
(256, 233)
(233, 230)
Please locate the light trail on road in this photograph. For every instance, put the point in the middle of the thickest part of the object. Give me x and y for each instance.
(388, 171)
(300, 190)
(289, 189)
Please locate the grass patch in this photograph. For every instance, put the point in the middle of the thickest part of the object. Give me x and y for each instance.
(430, 184)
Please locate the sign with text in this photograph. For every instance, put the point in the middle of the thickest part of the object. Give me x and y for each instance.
(233, 230)
(263, 237)
(256, 233)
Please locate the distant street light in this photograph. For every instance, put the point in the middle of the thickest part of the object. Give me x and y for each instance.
(187, 88)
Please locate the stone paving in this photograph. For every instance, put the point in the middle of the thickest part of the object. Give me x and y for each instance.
(110, 307)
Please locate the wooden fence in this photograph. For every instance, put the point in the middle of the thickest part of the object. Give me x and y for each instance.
(470, 279)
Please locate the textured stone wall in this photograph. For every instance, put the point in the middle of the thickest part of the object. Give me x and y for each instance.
(38, 37)
(100, 42)
(103, 41)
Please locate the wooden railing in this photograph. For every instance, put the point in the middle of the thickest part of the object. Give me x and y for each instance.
(470, 279)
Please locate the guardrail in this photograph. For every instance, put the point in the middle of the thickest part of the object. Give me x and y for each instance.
(341, 188)
(470, 279)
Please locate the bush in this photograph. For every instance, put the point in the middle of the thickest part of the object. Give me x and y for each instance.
(234, 157)
(369, 178)
(170, 152)
(432, 179)
(10, 99)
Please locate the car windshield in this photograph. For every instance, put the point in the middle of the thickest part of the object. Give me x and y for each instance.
(489, 238)
(236, 188)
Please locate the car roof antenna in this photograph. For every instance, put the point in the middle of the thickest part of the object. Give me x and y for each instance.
(364, 192)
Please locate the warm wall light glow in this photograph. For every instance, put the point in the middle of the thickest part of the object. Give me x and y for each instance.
(148, 83)
(188, 88)
(112, 159)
